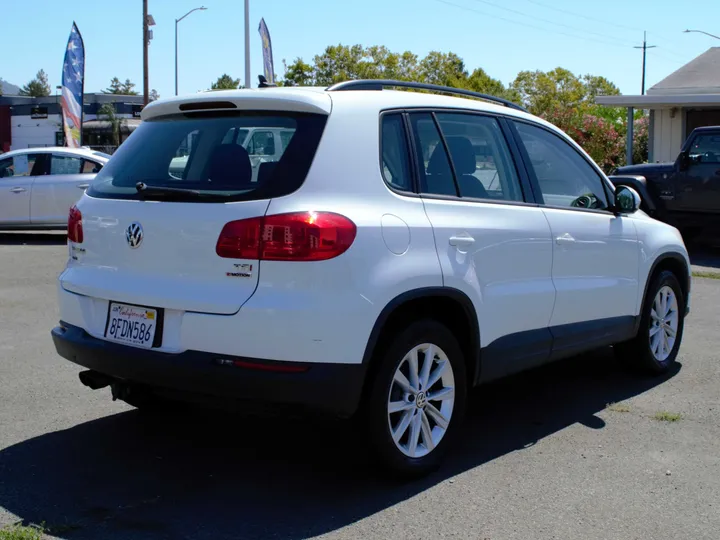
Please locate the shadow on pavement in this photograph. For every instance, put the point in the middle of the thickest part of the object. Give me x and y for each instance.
(218, 475)
(33, 238)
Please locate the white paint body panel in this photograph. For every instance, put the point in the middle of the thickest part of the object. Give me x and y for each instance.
(325, 311)
(595, 265)
(506, 270)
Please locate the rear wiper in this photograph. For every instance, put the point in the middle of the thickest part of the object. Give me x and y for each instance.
(174, 193)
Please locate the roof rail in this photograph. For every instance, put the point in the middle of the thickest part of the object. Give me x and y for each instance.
(379, 84)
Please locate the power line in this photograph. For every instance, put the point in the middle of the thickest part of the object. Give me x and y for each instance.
(574, 14)
(657, 35)
(574, 28)
(583, 38)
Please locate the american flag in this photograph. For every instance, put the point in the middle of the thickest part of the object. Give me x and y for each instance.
(72, 88)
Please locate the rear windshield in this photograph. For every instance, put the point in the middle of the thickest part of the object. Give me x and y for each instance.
(243, 156)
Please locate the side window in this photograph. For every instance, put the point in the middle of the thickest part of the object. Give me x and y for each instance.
(262, 144)
(6, 168)
(483, 165)
(65, 164)
(20, 165)
(91, 167)
(565, 178)
(395, 161)
(705, 149)
(435, 173)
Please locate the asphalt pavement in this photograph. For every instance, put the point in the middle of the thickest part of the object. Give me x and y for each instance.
(542, 456)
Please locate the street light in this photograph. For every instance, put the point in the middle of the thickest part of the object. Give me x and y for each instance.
(202, 8)
(702, 32)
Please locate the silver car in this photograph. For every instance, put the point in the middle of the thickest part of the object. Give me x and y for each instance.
(39, 185)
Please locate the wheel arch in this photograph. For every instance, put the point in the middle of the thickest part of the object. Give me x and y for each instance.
(676, 263)
(416, 304)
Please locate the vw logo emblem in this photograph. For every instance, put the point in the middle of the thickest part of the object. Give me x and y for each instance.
(134, 235)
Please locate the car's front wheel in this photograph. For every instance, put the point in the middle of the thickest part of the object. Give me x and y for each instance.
(417, 398)
(657, 343)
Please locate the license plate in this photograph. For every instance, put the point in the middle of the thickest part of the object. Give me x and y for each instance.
(131, 325)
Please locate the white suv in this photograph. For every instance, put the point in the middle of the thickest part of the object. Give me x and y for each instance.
(405, 247)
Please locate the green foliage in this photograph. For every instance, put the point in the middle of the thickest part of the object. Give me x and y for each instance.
(107, 110)
(225, 82)
(38, 87)
(123, 88)
(560, 96)
(153, 96)
(21, 532)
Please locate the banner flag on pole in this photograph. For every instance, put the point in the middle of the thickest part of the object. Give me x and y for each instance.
(73, 85)
(268, 67)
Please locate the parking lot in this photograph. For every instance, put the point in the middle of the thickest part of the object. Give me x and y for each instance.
(580, 449)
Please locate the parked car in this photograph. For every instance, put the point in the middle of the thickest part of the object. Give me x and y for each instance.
(39, 185)
(376, 268)
(685, 193)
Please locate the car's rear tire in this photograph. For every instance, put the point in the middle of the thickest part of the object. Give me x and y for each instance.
(414, 409)
(656, 345)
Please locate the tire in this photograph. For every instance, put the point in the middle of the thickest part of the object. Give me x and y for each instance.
(647, 352)
(415, 457)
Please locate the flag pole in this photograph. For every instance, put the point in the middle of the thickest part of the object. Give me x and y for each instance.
(248, 83)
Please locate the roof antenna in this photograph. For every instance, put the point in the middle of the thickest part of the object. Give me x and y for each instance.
(264, 83)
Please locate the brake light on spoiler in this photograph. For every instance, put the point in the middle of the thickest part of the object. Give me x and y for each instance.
(297, 236)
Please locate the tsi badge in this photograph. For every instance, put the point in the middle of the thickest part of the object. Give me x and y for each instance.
(240, 270)
(134, 235)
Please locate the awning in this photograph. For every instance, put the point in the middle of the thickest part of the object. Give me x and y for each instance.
(661, 101)
(128, 125)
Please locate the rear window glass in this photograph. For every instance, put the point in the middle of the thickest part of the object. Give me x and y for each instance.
(234, 157)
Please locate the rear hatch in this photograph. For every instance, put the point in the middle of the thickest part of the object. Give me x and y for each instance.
(151, 220)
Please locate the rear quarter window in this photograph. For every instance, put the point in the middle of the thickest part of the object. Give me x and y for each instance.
(229, 155)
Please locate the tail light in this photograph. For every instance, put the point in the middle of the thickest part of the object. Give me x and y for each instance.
(300, 236)
(75, 228)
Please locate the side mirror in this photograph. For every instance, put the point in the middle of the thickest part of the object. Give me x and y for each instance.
(627, 200)
(684, 160)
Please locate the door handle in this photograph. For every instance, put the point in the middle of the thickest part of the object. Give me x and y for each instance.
(18, 190)
(83, 186)
(565, 239)
(461, 241)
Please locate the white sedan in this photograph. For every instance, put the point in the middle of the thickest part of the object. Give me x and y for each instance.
(39, 185)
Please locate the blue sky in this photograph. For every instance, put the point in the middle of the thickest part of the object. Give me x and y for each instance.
(501, 36)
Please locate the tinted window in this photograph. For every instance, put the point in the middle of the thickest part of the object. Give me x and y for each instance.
(435, 173)
(481, 159)
(395, 160)
(65, 164)
(565, 178)
(187, 152)
(705, 149)
(20, 165)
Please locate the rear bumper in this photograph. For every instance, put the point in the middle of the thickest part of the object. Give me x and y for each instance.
(335, 388)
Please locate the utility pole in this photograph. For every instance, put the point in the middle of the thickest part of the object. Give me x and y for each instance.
(644, 48)
(247, 44)
(146, 79)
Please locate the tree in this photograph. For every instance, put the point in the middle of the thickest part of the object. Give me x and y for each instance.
(153, 95)
(298, 73)
(225, 82)
(116, 122)
(123, 88)
(446, 69)
(38, 87)
(479, 81)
